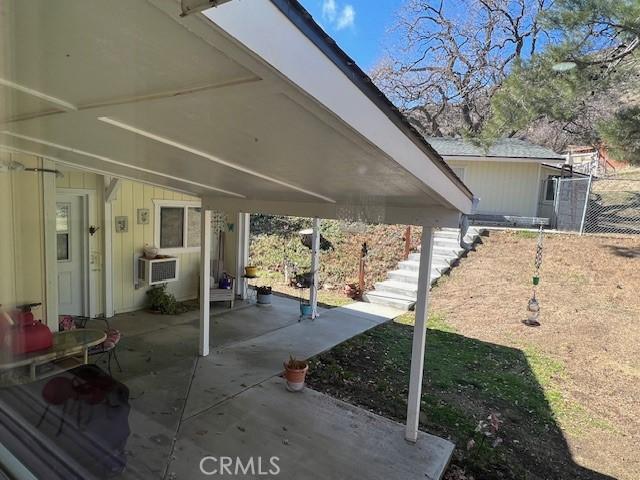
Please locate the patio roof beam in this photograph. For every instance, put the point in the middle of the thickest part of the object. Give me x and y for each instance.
(205, 281)
(208, 156)
(435, 216)
(419, 336)
(249, 85)
(66, 106)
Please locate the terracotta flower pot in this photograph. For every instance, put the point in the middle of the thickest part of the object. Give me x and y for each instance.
(295, 377)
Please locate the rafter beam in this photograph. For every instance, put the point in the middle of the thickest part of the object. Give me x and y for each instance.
(434, 216)
(67, 106)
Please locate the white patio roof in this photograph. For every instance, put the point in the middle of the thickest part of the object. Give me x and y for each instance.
(242, 105)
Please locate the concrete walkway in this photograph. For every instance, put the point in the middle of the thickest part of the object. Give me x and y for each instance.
(233, 368)
(175, 393)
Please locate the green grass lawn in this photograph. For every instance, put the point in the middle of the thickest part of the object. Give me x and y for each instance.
(466, 380)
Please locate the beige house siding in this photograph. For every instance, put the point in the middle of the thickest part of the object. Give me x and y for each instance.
(504, 188)
(22, 243)
(126, 246)
(21, 234)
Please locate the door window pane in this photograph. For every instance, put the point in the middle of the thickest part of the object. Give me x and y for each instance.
(193, 227)
(171, 227)
(63, 246)
(62, 217)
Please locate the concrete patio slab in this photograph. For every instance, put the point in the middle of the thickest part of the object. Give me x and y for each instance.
(313, 436)
(241, 324)
(229, 370)
(185, 406)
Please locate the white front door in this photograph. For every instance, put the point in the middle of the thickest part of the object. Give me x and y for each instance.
(70, 248)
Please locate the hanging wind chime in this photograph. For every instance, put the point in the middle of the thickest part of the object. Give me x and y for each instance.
(533, 307)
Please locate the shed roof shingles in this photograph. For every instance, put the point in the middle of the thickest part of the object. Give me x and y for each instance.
(503, 148)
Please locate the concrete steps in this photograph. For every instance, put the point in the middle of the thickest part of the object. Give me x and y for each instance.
(389, 300)
(400, 289)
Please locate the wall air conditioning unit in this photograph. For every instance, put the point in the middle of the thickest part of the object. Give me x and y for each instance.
(156, 271)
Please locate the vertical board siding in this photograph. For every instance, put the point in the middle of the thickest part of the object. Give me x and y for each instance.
(127, 246)
(22, 242)
(22, 238)
(504, 188)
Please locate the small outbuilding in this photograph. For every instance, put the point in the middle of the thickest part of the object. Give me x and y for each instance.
(509, 178)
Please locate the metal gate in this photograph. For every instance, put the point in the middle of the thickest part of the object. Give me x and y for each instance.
(570, 203)
(598, 205)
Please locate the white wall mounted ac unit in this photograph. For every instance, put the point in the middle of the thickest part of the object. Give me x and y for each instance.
(157, 271)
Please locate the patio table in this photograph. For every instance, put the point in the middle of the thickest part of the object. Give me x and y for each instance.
(69, 350)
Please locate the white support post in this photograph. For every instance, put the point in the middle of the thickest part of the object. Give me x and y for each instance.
(205, 281)
(315, 267)
(419, 336)
(50, 257)
(242, 254)
(107, 215)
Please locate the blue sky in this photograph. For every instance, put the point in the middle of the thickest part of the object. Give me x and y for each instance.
(358, 26)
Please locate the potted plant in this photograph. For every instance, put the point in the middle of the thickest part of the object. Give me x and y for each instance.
(305, 309)
(295, 372)
(352, 290)
(251, 271)
(264, 295)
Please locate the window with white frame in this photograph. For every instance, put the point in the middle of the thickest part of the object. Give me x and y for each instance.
(177, 225)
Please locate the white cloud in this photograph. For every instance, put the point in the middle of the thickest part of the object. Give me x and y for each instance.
(336, 16)
(347, 17)
(329, 10)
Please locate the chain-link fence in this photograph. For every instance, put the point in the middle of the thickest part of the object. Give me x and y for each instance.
(613, 206)
(598, 205)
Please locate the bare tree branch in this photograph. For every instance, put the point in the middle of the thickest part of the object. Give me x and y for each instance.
(448, 64)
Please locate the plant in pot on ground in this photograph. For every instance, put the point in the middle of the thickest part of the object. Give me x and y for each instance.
(264, 295)
(295, 372)
(160, 301)
(352, 290)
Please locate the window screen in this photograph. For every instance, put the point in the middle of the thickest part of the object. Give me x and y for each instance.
(171, 227)
(193, 227)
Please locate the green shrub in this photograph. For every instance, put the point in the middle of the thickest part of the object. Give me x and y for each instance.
(162, 301)
(278, 241)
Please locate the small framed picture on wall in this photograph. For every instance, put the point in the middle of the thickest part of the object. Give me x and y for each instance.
(122, 224)
(143, 216)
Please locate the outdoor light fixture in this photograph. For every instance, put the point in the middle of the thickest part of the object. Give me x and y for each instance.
(13, 166)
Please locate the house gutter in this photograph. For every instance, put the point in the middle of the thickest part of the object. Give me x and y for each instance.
(303, 20)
